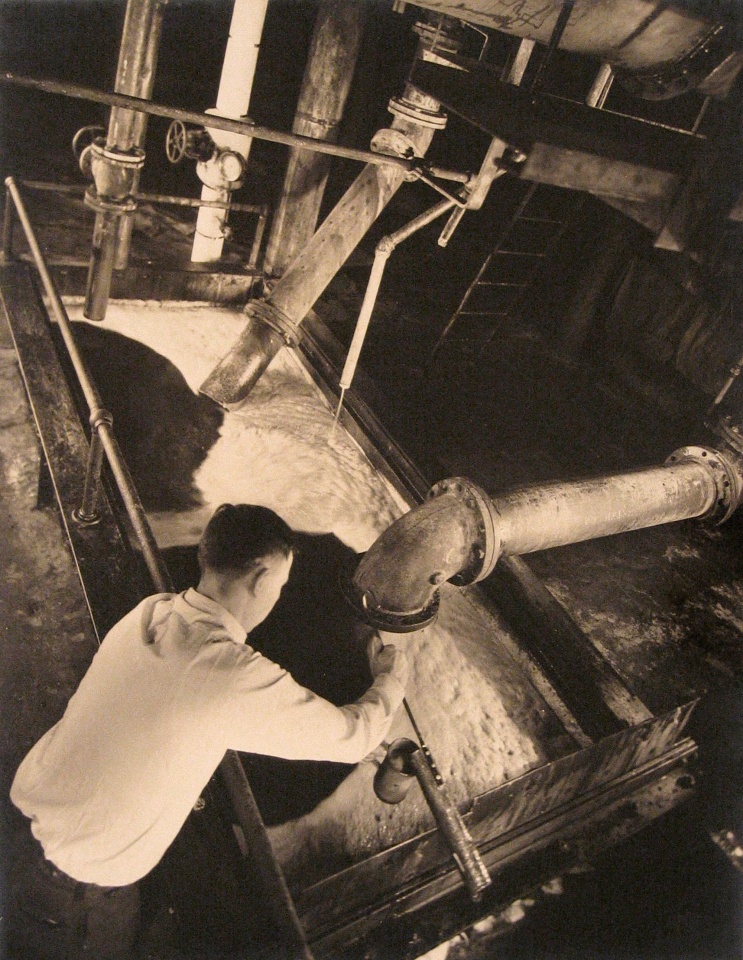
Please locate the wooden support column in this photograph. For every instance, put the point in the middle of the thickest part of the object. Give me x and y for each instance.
(327, 80)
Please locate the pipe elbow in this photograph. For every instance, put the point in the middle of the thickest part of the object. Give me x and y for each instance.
(451, 536)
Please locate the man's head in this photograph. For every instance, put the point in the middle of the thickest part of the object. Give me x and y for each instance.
(245, 555)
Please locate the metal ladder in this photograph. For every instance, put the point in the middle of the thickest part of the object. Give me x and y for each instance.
(501, 286)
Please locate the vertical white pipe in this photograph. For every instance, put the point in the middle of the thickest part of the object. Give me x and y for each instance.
(233, 98)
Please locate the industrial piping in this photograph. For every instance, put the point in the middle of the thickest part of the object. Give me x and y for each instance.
(224, 170)
(657, 49)
(275, 321)
(116, 162)
(459, 533)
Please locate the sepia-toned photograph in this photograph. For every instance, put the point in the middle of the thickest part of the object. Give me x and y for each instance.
(371, 450)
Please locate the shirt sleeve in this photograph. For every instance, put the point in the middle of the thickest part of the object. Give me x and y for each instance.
(270, 713)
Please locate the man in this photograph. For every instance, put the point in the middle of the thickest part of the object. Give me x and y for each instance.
(172, 687)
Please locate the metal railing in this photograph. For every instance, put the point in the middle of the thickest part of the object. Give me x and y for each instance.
(261, 209)
(102, 438)
(103, 442)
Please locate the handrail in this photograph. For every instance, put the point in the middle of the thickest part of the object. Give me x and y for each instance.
(101, 421)
(102, 438)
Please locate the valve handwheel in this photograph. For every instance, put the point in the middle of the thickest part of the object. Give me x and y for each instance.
(175, 141)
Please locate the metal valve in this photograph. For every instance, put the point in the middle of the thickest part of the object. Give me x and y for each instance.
(195, 143)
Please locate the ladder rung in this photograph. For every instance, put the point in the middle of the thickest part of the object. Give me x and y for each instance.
(483, 313)
(500, 283)
(540, 220)
(517, 253)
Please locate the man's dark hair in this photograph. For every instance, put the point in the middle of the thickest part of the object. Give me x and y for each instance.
(240, 534)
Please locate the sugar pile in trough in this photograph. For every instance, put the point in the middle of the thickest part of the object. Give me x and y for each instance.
(279, 450)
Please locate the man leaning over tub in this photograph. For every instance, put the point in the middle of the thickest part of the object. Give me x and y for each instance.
(173, 686)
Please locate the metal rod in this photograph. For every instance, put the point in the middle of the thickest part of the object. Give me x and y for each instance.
(260, 208)
(263, 858)
(246, 128)
(423, 745)
(562, 21)
(381, 255)
(8, 227)
(258, 238)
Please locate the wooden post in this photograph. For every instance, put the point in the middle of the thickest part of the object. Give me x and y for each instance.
(325, 86)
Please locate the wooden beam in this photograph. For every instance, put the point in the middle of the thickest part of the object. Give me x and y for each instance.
(600, 176)
(477, 94)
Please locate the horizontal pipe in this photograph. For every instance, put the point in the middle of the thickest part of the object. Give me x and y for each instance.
(555, 514)
(244, 127)
(165, 198)
(459, 533)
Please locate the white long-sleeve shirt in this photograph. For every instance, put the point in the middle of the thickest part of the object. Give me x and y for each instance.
(172, 687)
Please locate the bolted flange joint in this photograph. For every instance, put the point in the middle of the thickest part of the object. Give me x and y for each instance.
(727, 473)
(418, 113)
(114, 171)
(486, 544)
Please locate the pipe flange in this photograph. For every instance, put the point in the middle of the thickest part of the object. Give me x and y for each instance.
(486, 548)
(101, 204)
(129, 159)
(276, 319)
(415, 113)
(726, 473)
(366, 608)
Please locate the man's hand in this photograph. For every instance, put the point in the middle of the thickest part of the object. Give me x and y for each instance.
(387, 658)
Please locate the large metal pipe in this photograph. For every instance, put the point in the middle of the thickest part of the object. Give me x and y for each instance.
(275, 321)
(459, 532)
(116, 164)
(669, 47)
(233, 98)
(325, 86)
(145, 82)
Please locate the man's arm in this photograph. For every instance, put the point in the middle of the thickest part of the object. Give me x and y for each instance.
(270, 713)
